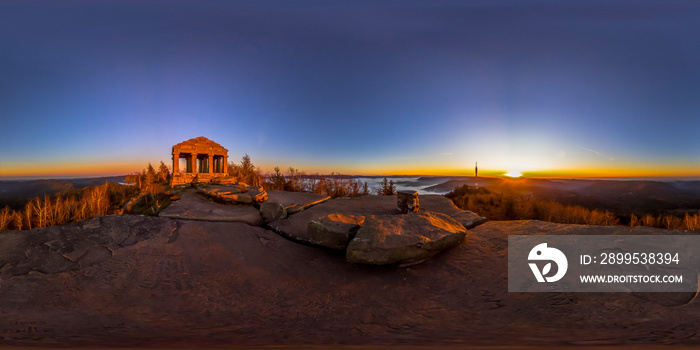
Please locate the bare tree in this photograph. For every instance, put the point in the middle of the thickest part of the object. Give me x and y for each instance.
(18, 220)
(5, 217)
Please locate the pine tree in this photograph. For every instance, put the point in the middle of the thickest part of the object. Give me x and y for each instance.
(150, 177)
(277, 180)
(163, 172)
(247, 166)
(386, 188)
(383, 187)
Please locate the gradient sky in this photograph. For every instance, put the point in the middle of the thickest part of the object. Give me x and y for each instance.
(569, 88)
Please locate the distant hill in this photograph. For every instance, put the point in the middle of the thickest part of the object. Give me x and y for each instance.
(18, 192)
(633, 197)
(94, 181)
(455, 182)
(628, 197)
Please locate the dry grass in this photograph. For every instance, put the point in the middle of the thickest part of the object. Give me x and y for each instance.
(66, 207)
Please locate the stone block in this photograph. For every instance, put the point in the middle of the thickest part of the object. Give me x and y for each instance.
(407, 202)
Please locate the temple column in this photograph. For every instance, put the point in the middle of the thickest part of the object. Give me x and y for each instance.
(194, 163)
(211, 163)
(176, 163)
(225, 168)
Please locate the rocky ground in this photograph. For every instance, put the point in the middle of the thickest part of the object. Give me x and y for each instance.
(157, 281)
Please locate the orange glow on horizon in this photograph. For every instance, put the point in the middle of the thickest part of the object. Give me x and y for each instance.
(77, 169)
(90, 168)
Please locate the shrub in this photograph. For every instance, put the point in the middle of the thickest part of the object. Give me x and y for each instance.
(386, 188)
(509, 206)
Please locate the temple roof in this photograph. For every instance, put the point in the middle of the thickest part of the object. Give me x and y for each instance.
(200, 145)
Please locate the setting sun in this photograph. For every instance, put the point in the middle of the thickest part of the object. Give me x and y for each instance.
(513, 174)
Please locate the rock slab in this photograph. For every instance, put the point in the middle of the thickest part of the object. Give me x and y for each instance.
(404, 239)
(236, 193)
(334, 230)
(295, 226)
(197, 284)
(193, 207)
(58, 249)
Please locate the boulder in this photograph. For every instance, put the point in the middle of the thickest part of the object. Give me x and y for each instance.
(272, 211)
(404, 239)
(334, 230)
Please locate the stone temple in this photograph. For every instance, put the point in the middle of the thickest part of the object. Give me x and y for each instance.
(204, 161)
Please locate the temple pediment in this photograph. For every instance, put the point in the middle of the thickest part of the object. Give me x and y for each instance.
(200, 145)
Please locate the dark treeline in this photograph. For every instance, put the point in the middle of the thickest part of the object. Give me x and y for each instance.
(508, 205)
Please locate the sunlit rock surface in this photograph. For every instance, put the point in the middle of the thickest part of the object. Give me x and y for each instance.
(334, 230)
(405, 239)
(194, 206)
(296, 226)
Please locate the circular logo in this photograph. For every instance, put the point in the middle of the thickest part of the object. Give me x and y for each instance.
(543, 253)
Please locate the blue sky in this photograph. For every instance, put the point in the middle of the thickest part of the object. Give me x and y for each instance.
(599, 88)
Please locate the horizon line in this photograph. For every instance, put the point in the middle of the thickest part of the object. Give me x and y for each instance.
(489, 175)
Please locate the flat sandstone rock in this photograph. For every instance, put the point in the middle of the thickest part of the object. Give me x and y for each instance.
(58, 249)
(296, 226)
(334, 230)
(406, 239)
(193, 207)
(236, 193)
